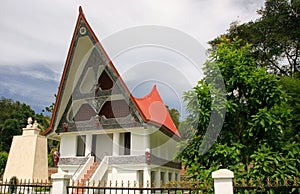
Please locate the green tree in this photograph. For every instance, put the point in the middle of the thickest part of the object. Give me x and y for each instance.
(174, 113)
(13, 118)
(257, 118)
(275, 36)
(3, 159)
(292, 87)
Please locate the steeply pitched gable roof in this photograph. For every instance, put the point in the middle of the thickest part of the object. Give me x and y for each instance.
(151, 107)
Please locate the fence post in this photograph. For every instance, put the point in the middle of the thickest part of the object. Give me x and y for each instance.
(223, 181)
(60, 182)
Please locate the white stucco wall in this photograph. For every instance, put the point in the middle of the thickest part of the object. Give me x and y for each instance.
(118, 175)
(68, 145)
(121, 144)
(104, 145)
(139, 142)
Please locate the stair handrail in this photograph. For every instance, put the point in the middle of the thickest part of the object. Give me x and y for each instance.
(105, 159)
(83, 162)
(102, 155)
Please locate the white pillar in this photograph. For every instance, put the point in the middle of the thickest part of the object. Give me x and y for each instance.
(116, 142)
(114, 176)
(167, 176)
(157, 178)
(147, 177)
(223, 181)
(60, 182)
(173, 176)
(88, 144)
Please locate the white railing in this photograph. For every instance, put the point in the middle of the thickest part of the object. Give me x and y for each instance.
(100, 171)
(80, 173)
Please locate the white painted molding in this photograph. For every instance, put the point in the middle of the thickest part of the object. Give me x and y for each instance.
(222, 173)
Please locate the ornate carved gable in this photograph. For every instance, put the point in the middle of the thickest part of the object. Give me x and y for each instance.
(93, 96)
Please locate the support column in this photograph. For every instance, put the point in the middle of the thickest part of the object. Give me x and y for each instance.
(223, 181)
(173, 176)
(60, 182)
(147, 177)
(116, 142)
(88, 144)
(114, 175)
(158, 178)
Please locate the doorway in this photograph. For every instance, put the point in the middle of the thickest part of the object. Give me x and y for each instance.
(127, 138)
(81, 139)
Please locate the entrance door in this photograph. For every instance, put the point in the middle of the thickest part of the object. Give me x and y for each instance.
(94, 147)
(127, 143)
(81, 139)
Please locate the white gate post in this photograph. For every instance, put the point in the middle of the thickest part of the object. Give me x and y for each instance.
(223, 181)
(60, 182)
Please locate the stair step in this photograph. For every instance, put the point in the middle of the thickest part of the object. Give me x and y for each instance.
(89, 173)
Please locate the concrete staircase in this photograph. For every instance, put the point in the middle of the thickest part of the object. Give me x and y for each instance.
(89, 173)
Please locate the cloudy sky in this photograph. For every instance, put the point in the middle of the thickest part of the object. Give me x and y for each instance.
(35, 37)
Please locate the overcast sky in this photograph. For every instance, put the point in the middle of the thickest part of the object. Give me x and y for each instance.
(35, 37)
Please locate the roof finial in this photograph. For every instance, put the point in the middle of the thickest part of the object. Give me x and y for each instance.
(80, 10)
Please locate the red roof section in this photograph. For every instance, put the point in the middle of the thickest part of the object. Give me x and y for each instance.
(154, 110)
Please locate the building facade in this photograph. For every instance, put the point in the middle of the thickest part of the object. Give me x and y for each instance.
(106, 134)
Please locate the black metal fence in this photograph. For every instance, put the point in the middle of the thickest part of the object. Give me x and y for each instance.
(129, 190)
(23, 186)
(269, 186)
(169, 188)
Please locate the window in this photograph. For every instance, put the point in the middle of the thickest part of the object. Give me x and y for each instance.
(115, 109)
(104, 81)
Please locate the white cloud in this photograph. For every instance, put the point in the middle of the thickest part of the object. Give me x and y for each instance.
(39, 32)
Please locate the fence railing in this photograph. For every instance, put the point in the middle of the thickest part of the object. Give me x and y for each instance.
(223, 184)
(268, 185)
(23, 186)
(128, 187)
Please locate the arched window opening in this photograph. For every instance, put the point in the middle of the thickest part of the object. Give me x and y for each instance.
(105, 82)
(115, 109)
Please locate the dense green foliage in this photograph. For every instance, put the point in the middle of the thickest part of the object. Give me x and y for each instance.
(292, 87)
(3, 159)
(255, 140)
(260, 64)
(13, 118)
(174, 113)
(275, 36)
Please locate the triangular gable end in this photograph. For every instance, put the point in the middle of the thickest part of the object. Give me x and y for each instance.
(91, 91)
(86, 66)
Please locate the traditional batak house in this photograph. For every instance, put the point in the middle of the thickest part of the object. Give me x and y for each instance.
(105, 133)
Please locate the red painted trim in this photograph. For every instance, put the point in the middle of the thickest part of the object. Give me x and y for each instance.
(67, 63)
